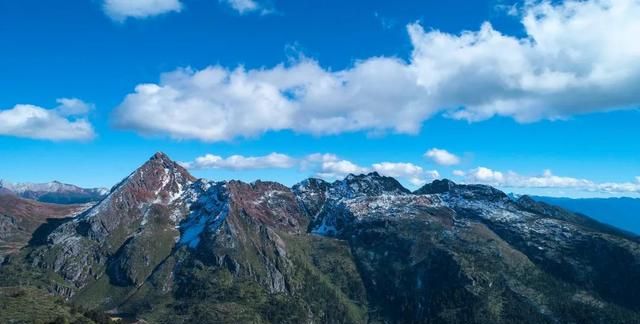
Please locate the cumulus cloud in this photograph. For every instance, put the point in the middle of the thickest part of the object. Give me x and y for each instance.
(442, 157)
(65, 122)
(486, 175)
(554, 71)
(218, 104)
(413, 173)
(547, 179)
(329, 166)
(239, 162)
(120, 10)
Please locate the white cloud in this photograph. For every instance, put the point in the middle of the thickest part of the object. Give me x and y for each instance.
(442, 157)
(242, 6)
(239, 162)
(329, 166)
(411, 172)
(547, 180)
(398, 169)
(459, 173)
(212, 105)
(556, 70)
(485, 175)
(120, 10)
(65, 122)
(218, 104)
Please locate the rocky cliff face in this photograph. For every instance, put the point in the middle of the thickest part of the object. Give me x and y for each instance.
(20, 218)
(169, 248)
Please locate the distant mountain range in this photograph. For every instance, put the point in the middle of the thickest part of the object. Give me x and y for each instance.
(623, 213)
(165, 247)
(53, 192)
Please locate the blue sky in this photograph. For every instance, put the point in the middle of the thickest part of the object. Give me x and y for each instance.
(525, 100)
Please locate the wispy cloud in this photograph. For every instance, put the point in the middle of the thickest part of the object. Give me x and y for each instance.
(385, 22)
(240, 162)
(248, 6)
(120, 10)
(547, 179)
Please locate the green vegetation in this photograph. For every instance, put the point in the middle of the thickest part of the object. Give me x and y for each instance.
(326, 289)
(31, 305)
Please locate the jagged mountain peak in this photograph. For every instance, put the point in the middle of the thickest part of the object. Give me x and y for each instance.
(160, 156)
(464, 191)
(436, 187)
(159, 173)
(159, 180)
(311, 183)
(371, 175)
(160, 159)
(371, 184)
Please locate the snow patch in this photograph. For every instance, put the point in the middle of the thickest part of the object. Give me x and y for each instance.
(209, 208)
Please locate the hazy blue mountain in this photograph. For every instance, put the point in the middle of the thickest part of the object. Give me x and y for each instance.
(54, 192)
(623, 213)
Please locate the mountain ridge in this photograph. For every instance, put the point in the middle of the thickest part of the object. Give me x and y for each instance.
(53, 192)
(167, 247)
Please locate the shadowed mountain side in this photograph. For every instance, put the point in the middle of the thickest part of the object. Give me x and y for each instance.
(20, 218)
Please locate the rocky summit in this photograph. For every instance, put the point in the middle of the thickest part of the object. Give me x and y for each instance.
(165, 247)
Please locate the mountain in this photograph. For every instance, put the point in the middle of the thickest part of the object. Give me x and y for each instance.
(54, 192)
(20, 218)
(168, 248)
(620, 212)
